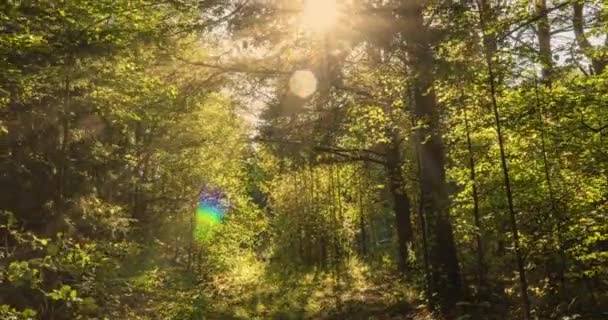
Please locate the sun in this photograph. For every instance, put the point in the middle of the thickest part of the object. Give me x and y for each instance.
(319, 15)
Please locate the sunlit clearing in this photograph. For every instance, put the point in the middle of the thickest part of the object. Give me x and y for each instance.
(319, 15)
(303, 83)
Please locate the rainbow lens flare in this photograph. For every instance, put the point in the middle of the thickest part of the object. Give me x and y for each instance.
(209, 214)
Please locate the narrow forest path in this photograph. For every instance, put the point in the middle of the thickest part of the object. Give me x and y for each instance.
(311, 294)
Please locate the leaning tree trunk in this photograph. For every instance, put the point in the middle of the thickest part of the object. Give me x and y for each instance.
(490, 49)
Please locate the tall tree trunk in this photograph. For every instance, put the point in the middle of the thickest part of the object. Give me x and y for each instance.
(555, 214)
(65, 141)
(401, 203)
(313, 255)
(445, 270)
(543, 33)
(423, 228)
(334, 184)
(546, 60)
(481, 270)
(598, 61)
(489, 46)
(299, 238)
(362, 231)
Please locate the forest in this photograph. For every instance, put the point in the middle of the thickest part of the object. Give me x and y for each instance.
(303, 159)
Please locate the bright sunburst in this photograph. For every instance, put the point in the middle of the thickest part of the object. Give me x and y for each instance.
(319, 15)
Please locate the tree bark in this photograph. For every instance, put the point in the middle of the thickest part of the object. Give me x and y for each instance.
(362, 231)
(543, 34)
(489, 46)
(546, 60)
(401, 203)
(445, 270)
(481, 269)
(423, 226)
(598, 62)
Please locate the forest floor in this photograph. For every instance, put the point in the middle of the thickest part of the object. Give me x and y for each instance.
(319, 295)
(252, 289)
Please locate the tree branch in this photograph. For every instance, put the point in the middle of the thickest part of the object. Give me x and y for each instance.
(534, 19)
(351, 154)
(235, 68)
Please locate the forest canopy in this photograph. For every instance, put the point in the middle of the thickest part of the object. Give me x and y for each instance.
(303, 159)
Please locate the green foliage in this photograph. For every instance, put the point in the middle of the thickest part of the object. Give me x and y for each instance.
(114, 114)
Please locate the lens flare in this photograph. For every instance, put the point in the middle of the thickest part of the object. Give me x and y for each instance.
(210, 213)
(303, 83)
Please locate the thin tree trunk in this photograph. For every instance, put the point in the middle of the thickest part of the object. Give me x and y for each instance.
(341, 252)
(512, 215)
(362, 232)
(298, 212)
(550, 190)
(336, 259)
(546, 60)
(489, 45)
(313, 213)
(190, 242)
(481, 269)
(65, 142)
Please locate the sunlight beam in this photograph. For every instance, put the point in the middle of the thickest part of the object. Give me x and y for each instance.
(319, 15)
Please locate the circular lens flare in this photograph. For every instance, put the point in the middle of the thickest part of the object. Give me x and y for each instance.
(303, 83)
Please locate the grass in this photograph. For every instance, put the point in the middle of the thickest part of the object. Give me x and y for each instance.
(318, 294)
